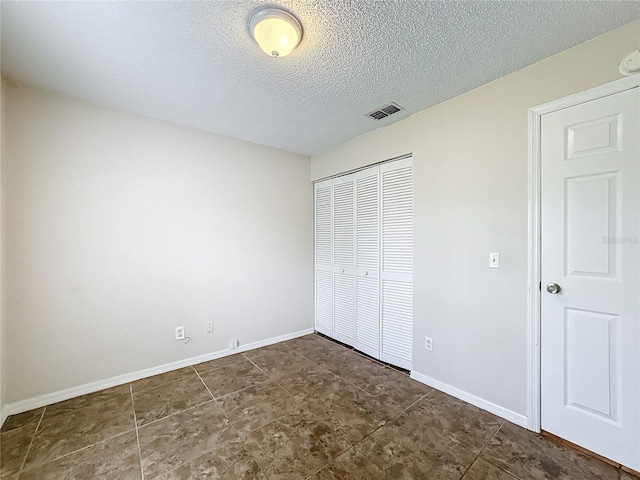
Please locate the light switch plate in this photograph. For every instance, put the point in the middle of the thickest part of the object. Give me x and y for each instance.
(494, 260)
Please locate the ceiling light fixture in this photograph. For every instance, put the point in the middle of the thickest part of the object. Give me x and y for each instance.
(276, 32)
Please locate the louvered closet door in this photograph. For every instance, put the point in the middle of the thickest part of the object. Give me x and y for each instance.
(367, 252)
(396, 180)
(344, 323)
(323, 216)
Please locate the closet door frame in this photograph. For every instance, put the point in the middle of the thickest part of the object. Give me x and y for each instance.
(353, 272)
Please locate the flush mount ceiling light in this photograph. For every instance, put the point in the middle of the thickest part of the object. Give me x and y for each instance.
(276, 32)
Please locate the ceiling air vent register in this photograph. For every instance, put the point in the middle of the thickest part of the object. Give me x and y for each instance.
(385, 111)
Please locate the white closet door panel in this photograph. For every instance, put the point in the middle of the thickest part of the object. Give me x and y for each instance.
(323, 223)
(397, 324)
(344, 308)
(323, 284)
(367, 221)
(397, 219)
(396, 179)
(344, 282)
(367, 263)
(343, 221)
(368, 316)
(324, 302)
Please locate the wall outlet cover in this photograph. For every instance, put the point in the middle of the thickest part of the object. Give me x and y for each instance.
(180, 333)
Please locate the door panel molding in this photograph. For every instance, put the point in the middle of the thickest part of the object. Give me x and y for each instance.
(534, 230)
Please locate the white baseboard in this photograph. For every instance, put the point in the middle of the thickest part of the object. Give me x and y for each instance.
(3, 416)
(50, 398)
(502, 412)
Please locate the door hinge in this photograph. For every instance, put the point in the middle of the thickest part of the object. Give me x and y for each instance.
(540, 286)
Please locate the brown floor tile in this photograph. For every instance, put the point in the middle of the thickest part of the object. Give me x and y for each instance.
(257, 406)
(157, 380)
(113, 459)
(176, 440)
(155, 403)
(404, 450)
(232, 378)
(318, 411)
(320, 351)
(219, 362)
(277, 363)
(392, 386)
(229, 462)
(116, 398)
(312, 343)
(14, 445)
(21, 419)
(352, 412)
(65, 433)
(530, 456)
(295, 446)
(312, 382)
(483, 470)
(355, 367)
(351, 465)
(461, 422)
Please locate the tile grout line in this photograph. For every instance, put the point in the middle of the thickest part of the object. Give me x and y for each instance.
(181, 411)
(81, 449)
(482, 450)
(172, 414)
(135, 423)
(24, 460)
(244, 444)
(205, 385)
(315, 415)
(254, 364)
(275, 380)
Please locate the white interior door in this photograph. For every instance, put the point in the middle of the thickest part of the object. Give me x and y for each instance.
(396, 181)
(323, 258)
(367, 265)
(590, 343)
(344, 281)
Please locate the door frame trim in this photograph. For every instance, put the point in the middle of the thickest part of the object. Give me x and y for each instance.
(534, 318)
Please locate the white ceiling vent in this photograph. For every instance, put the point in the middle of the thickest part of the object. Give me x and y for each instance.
(385, 111)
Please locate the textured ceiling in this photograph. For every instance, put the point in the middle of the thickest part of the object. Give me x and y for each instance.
(194, 63)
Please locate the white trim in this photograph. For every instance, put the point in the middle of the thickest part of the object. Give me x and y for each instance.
(359, 169)
(3, 416)
(534, 240)
(502, 412)
(50, 398)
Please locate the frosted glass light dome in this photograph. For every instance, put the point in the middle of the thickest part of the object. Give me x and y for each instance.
(275, 31)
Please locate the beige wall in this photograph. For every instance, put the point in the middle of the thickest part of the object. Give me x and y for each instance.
(470, 183)
(2, 295)
(120, 228)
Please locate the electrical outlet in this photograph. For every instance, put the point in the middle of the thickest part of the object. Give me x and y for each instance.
(209, 327)
(233, 343)
(428, 344)
(179, 333)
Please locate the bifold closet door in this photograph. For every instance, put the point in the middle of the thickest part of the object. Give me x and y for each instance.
(396, 179)
(344, 325)
(323, 226)
(367, 265)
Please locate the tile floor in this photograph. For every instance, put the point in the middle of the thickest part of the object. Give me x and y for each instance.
(306, 408)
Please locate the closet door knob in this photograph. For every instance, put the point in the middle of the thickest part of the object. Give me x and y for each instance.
(343, 270)
(366, 273)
